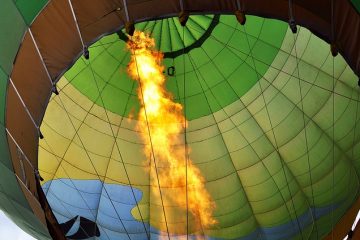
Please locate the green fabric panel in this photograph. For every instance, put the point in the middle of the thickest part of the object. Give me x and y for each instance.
(4, 151)
(12, 200)
(221, 65)
(8, 181)
(3, 89)
(10, 187)
(11, 34)
(30, 9)
(27, 221)
(356, 4)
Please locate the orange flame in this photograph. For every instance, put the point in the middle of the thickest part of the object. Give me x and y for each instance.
(161, 125)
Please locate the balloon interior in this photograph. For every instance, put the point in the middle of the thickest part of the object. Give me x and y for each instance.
(180, 119)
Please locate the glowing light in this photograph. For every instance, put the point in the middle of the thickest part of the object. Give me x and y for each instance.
(162, 123)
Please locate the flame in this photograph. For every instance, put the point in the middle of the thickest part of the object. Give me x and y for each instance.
(161, 124)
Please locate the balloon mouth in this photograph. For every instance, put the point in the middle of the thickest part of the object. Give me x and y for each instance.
(56, 45)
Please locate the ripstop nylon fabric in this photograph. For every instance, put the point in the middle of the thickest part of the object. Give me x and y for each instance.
(261, 171)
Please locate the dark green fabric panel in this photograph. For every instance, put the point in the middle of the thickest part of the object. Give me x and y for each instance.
(30, 8)
(25, 219)
(11, 34)
(13, 202)
(356, 4)
(12, 199)
(3, 88)
(32, 225)
(4, 151)
(13, 210)
(10, 187)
